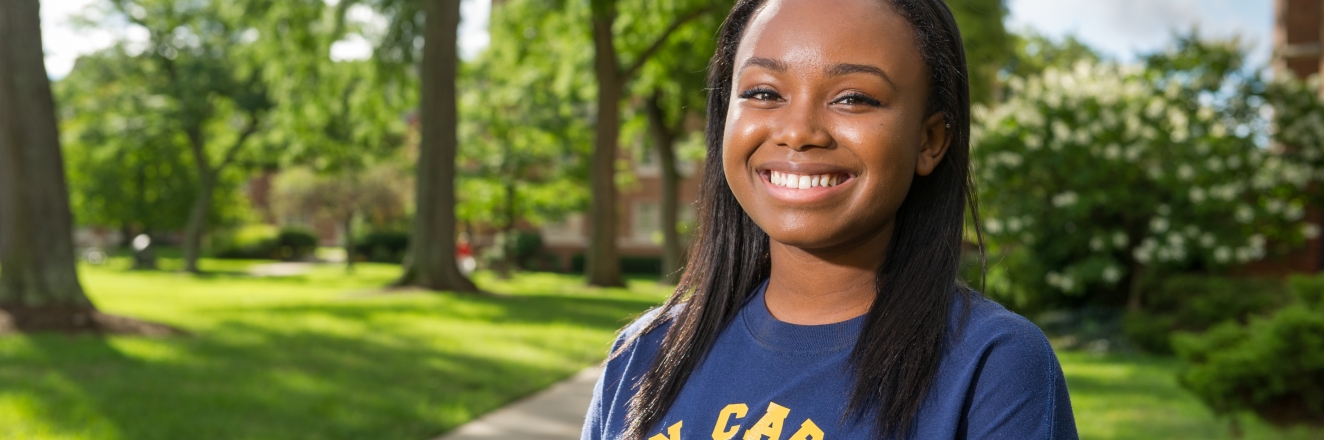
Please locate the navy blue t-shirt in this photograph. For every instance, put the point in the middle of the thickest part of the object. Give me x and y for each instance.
(767, 379)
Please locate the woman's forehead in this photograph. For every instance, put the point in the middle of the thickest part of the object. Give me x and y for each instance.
(819, 34)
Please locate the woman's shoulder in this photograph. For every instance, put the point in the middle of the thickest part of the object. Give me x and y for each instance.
(646, 331)
(987, 334)
(1011, 384)
(981, 321)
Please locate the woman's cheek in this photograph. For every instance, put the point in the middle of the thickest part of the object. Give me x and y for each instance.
(739, 141)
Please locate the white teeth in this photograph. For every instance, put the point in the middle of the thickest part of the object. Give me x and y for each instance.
(799, 181)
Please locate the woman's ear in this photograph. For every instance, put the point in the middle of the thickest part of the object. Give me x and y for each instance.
(936, 138)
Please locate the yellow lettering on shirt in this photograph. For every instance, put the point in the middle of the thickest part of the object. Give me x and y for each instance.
(808, 431)
(673, 433)
(734, 410)
(770, 425)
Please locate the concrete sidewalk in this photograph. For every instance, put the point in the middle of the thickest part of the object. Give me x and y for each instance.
(556, 413)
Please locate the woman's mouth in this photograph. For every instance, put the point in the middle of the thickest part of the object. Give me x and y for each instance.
(806, 181)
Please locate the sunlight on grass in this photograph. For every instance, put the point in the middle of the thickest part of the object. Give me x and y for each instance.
(318, 355)
(1138, 397)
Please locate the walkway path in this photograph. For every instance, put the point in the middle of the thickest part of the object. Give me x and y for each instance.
(284, 269)
(556, 413)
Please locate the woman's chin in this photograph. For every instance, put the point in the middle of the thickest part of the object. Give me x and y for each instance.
(807, 239)
(824, 235)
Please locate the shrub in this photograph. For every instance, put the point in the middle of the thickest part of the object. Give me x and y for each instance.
(629, 265)
(527, 246)
(248, 241)
(263, 242)
(1196, 303)
(1149, 331)
(382, 246)
(1272, 366)
(1105, 173)
(295, 244)
(641, 265)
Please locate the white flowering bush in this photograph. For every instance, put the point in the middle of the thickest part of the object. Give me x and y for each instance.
(1298, 117)
(1095, 177)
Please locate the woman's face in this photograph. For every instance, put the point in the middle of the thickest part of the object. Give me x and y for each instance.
(827, 124)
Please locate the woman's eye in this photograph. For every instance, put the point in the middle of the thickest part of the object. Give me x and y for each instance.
(760, 95)
(858, 99)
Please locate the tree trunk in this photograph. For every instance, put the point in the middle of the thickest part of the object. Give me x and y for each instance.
(664, 138)
(349, 243)
(126, 235)
(603, 266)
(39, 284)
(197, 218)
(1134, 300)
(432, 243)
(508, 262)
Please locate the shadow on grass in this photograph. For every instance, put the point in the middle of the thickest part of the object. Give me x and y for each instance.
(343, 370)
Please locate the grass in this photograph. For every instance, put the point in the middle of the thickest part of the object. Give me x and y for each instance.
(1138, 397)
(319, 356)
(305, 357)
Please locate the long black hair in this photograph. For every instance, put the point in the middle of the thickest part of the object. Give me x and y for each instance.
(905, 331)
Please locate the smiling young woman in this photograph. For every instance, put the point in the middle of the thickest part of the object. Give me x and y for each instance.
(821, 298)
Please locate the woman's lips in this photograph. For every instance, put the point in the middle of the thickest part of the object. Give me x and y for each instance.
(803, 187)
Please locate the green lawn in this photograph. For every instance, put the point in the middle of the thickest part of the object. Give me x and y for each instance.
(305, 357)
(1137, 397)
(320, 356)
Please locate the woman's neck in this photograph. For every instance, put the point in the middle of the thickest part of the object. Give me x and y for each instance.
(811, 287)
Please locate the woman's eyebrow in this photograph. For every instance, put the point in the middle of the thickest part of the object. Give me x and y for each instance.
(847, 69)
(778, 66)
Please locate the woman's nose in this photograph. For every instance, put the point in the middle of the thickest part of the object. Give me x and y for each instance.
(799, 126)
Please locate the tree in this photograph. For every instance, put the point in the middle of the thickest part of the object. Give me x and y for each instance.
(39, 285)
(1033, 53)
(603, 268)
(339, 137)
(524, 122)
(370, 194)
(432, 263)
(209, 65)
(673, 96)
(987, 44)
(128, 168)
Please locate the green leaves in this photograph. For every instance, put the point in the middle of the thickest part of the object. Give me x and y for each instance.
(128, 164)
(525, 114)
(1097, 171)
(1270, 365)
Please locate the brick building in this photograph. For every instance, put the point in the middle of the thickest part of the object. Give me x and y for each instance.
(1298, 27)
(1298, 48)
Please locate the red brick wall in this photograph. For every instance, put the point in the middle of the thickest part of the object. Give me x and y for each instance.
(1297, 35)
(1298, 28)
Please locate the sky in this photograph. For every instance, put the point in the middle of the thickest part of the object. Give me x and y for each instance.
(1125, 28)
(1119, 28)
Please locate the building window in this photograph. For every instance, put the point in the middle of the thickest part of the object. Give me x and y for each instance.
(568, 231)
(644, 223)
(646, 162)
